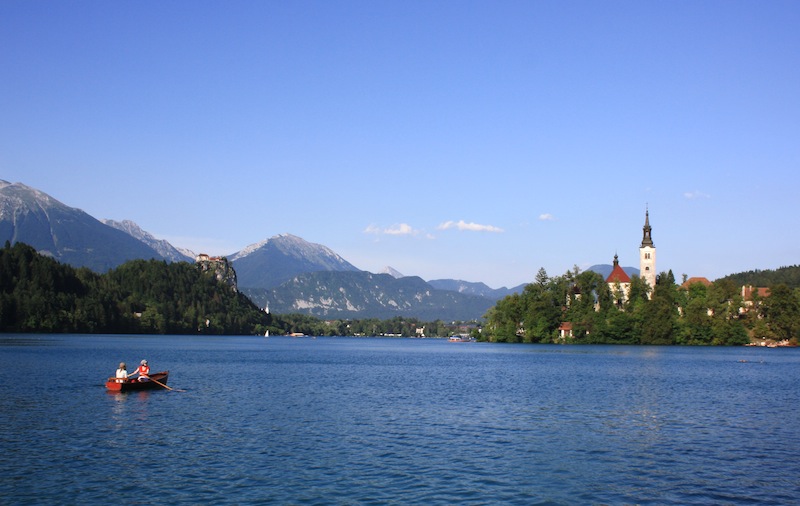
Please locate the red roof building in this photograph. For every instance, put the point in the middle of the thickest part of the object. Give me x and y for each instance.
(618, 274)
(749, 291)
(689, 282)
(619, 283)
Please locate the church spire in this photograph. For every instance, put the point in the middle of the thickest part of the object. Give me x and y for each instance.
(647, 240)
(647, 255)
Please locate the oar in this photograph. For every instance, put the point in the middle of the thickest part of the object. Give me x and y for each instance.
(165, 386)
(159, 383)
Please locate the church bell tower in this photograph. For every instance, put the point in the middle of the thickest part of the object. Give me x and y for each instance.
(647, 255)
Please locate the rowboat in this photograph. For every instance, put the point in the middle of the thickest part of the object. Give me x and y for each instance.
(134, 385)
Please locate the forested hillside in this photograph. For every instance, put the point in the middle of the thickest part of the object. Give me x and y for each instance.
(789, 276)
(38, 294)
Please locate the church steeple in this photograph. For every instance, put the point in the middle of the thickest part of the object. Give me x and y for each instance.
(647, 254)
(647, 239)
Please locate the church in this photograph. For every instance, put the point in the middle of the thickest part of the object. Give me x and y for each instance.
(619, 282)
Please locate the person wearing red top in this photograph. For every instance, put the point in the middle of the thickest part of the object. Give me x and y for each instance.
(143, 371)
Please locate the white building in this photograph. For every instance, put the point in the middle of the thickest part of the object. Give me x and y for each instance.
(647, 255)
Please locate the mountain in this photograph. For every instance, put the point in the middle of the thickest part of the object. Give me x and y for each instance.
(360, 294)
(64, 233)
(605, 269)
(392, 272)
(278, 259)
(71, 236)
(479, 289)
(162, 247)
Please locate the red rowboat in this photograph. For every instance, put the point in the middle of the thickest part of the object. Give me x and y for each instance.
(133, 385)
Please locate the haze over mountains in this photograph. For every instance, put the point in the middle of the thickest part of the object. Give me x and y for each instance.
(285, 272)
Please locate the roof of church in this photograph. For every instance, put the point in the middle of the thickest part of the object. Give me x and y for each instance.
(618, 275)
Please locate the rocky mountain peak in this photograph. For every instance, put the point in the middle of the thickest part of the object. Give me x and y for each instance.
(271, 262)
(18, 198)
(162, 247)
(293, 246)
(392, 272)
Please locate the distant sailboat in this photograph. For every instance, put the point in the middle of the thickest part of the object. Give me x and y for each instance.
(266, 334)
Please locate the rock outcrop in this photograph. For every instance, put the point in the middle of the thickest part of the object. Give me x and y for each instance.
(220, 268)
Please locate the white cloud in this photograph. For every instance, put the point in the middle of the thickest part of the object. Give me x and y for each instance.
(546, 217)
(472, 227)
(696, 195)
(399, 229)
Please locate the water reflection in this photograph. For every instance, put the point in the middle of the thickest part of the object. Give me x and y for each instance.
(125, 405)
(15, 340)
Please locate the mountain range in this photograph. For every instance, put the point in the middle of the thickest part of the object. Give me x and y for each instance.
(354, 294)
(64, 233)
(162, 247)
(284, 272)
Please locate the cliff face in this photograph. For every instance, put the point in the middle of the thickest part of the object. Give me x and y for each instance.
(220, 268)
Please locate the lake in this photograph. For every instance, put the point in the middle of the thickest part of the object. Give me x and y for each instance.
(396, 421)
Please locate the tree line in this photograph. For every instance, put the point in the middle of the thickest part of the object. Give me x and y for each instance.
(398, 326)
(662, 315)
(789, 276)
(39, 294)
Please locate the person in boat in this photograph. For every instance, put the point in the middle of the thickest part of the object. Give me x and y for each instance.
(143, 371)
(122, 373)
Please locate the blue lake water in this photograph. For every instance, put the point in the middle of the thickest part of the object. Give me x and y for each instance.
(396, 421)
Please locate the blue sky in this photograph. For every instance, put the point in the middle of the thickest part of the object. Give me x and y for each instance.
(469, 140)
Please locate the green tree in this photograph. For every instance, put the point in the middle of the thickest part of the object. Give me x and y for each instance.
(781, 310)
(696, 325)
(583, 301)
(660, 315)
(504, 319)
(543, 307)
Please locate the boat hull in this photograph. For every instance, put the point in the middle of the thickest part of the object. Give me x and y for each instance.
(132, 385)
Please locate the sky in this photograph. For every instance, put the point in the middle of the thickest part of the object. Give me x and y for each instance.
(472, 140)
